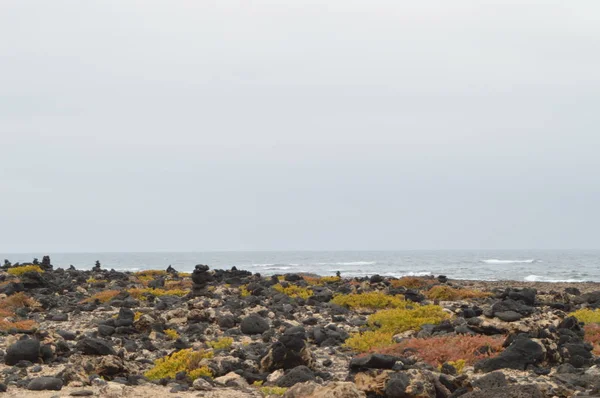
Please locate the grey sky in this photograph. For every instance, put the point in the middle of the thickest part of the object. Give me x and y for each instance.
(215, 125)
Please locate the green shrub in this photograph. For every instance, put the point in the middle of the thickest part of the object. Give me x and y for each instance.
(185, 360)
(293, 291)
(387, 323)
(447, 293)
(366, 341)
(273, 391)
(400, 320)
(587, 315)
(18, 271)
(371, 300)
(221, 343)
(172, 334)
(244, 291)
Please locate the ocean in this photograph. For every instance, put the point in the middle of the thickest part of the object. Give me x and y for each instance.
(523, 265)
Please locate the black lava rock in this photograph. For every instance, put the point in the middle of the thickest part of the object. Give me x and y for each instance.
(374, 361)
(521, 353)
(299, 374)
(254, 324)
(90, 346)
(23, 350)
(45, 383)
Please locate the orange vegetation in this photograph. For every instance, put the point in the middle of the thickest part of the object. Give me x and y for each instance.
(441, 349)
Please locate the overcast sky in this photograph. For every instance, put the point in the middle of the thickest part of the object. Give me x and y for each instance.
(230, 125)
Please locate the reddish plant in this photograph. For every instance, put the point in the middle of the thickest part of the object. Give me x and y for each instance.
(21, 325)
(441, 349)
(592, 336)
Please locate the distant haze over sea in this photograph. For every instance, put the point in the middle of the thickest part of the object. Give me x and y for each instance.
(534, 265)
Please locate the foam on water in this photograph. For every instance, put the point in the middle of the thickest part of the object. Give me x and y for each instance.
(539, 278)
(497, 261)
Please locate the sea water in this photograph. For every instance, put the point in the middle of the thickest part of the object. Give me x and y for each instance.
(527, 265)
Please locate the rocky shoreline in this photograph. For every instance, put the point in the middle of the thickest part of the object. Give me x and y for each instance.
(230, 333)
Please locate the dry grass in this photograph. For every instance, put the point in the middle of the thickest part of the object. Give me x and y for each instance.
(447, 293)
(102, 297)
(410, 282)
(17, 300)
(179, 284)
(20, 325)
(141, 293)
(8, 306)
(438, 350)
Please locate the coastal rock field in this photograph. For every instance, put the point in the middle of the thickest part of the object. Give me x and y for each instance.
(231, 333)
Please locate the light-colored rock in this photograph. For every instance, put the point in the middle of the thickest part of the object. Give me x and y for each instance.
(202, 385)
(232, 380)
(275, 375)
(113, 390)
(311, 389)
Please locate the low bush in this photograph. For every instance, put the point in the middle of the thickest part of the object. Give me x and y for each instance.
(410, 282)
(18, 271)
(244, 292)
(8, 319)
(387, 323)
(592, 336)
(182, 361)
(172, 334)
(293, 291)
(94, 280)
(140, 293)
(178, 284)
(371, 300)
(221, 343)
(587, 315)
(6, 325)
(151, 272)
(459, 365)
(447, 293)
(400, 320)
(366, 341)
(17, 300)
(273, 391)
(453, 349)
(103, 297)
(320, 281)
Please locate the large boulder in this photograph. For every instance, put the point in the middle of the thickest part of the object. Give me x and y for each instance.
(299, 374)
(521, 353)
(45, 383)
(374, 361)
(23, 350)
(254, 324)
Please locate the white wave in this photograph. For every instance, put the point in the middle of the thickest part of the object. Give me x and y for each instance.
(418, 273)
(497, 261)
(539, 278)
(277, 268)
